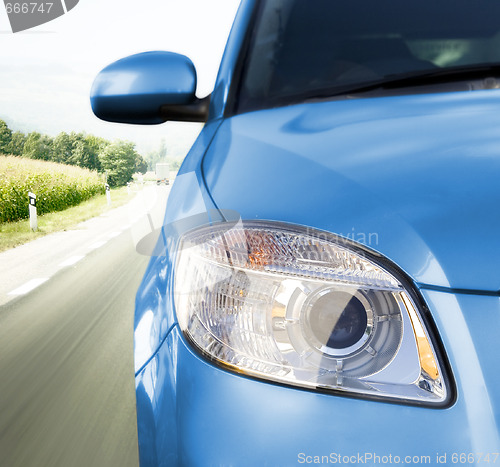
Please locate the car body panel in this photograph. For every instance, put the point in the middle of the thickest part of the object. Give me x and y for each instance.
(193, 413)
(154, 314)
(412, 177)
(202, 415)
(228, 68)
(363, 169)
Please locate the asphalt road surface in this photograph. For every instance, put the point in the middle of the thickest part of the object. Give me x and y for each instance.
(67, 394)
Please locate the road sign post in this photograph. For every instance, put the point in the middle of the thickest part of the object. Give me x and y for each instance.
(32, 209)
(108, 194)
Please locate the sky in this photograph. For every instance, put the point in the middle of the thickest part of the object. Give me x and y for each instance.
(46, 72)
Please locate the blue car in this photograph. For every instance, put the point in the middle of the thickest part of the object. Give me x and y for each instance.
(325, 287)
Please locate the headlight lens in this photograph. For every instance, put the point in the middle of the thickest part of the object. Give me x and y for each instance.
(305, 308)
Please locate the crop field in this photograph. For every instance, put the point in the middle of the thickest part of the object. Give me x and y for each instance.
(56, 186)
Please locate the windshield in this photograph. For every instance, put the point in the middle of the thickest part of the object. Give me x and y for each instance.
(317, 48)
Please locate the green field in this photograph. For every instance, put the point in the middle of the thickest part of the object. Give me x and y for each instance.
(56, 186)
(13, 234)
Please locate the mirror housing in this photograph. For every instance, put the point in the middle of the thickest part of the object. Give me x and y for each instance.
(147, 89)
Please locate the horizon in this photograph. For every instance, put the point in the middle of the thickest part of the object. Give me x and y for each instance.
(47, 71)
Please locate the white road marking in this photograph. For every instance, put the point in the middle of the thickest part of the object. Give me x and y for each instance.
(29, 286)
(97, 245)
(70, 261)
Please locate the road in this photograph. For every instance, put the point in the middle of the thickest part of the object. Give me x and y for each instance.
(67, 394)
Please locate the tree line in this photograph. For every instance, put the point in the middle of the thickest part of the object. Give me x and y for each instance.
(118, 159)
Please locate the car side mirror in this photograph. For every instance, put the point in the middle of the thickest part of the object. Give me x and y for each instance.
(147, 89)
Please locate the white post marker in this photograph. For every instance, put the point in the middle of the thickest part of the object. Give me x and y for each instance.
(32, 208)
(128, 188)
(108, 194)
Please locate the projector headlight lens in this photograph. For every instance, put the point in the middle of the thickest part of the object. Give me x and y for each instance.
(305, 308)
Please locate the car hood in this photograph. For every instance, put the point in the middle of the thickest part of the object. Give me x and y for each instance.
(415, 178)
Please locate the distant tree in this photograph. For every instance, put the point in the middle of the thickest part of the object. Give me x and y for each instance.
(97, 141)
(78, 149)
(16, 144)
(162, 151)
(79, 153)
(175, 163)
(38, 146)
(141, 166)
(160, 155)
(151, 158)
(118, 161)
(94, 145)
(5, 137)
(62, 149)
(31, 145)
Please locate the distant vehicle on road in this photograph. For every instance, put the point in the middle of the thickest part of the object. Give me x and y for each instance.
(162, 171)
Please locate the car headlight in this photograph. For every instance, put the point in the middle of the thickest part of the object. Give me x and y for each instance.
(305, 308)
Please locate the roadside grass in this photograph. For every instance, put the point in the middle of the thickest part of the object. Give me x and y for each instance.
(13, 234)
(57, 186)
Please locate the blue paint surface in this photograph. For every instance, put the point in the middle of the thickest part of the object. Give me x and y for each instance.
(414, 178)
